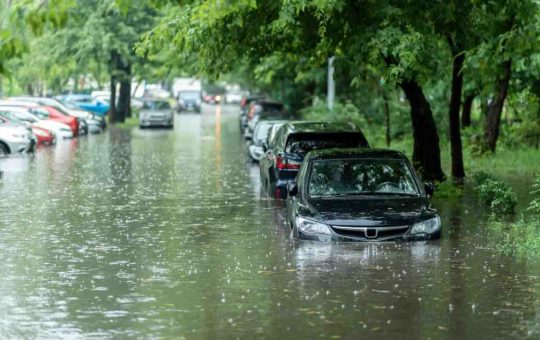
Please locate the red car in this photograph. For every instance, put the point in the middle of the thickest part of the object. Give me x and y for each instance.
(59, 116)
(44, 137)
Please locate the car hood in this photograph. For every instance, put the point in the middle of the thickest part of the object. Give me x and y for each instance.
(78, 113)
(370, 212)
(156, 112)
(52, 125)
(9, 128)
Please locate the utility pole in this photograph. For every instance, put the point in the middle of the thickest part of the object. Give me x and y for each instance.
(331, 87)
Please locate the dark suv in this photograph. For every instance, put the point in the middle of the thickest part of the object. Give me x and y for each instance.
(285, 153)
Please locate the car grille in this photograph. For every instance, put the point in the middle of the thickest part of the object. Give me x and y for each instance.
(370, 233)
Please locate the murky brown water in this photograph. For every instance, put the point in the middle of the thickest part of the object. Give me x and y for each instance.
(163, 234)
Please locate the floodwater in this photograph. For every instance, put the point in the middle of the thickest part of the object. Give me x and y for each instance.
(163, 234)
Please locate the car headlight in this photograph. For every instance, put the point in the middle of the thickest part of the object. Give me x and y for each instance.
(312, 227)
(427, 227)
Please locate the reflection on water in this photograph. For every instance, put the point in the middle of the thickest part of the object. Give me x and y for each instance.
(163, 233)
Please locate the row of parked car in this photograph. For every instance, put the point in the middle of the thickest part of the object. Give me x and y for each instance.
(27, 121)
(336, 187)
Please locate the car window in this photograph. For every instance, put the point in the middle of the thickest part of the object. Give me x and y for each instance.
(25, 117)
(361, 177)
(189, 95)
(302, 143)
(84, 100)
(41, 113)
(156, 105)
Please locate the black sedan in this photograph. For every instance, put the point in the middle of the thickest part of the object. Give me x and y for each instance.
(285, 152)
(360, 195)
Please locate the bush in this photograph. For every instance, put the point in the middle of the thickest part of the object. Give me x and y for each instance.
(520, 237)
(481, 177)
(495, 193)
(344, 113)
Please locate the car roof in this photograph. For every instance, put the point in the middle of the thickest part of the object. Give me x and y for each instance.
(354, 153)
(271, 121)
(318, 127)
(266, 102)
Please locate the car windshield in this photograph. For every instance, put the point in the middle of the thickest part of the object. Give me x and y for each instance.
(19, 116)
(302, 143)
(349, 177)
(156, 105)
(70, 105)
(40, 113)
(190, 95)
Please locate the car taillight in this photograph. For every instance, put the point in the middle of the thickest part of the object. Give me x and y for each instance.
(251, 112)
(283, 164)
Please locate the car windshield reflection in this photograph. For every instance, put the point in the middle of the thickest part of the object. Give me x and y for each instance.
(361, 177)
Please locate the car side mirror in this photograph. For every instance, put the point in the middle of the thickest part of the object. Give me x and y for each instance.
(292, 188)
(429, 188)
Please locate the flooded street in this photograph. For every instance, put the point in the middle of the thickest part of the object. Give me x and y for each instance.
(157, 233)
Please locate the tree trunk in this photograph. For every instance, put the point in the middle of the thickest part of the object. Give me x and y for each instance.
(495, 107)
(466, 111)
(426, 152)
(458, 170)
(124, 100)
(387, 119)
(113, 65)
(112, 108)
(124, 107)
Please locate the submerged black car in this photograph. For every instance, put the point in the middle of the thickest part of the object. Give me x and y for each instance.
(285, 152)
(360, 195)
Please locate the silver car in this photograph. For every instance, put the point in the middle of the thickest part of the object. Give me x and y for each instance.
(260, 137)
(14, 138)
(156, 113)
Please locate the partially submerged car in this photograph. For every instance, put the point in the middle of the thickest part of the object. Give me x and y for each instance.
(360, 195)
(285, 152)
(244, 105)
(260, 137)
(14, 138)
(156, 113)
(264, 110)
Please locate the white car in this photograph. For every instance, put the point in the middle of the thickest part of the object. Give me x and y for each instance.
(24, 115)
(14, 138)
(234, 97)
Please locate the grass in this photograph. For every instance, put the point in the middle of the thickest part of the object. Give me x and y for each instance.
(128, 123)
(521, 237)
